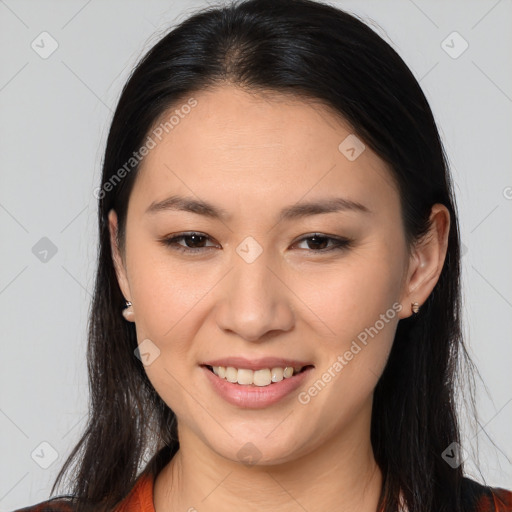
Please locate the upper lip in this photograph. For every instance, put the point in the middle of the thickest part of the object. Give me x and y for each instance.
(257, 364)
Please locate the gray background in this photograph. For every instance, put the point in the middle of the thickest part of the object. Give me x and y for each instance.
(55, 116)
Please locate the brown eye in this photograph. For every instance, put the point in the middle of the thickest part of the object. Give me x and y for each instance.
(194, 242)
(320, 243)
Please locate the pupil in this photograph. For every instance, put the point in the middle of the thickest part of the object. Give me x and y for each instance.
(192, 237)
(318, 241)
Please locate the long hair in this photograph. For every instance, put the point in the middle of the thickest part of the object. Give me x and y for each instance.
(318, 53)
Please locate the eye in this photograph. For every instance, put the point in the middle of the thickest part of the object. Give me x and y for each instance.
(317, 239)
(195, 242)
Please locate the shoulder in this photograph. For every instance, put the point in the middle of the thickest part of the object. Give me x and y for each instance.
(481, 498)
(140, 499)
(52, 505)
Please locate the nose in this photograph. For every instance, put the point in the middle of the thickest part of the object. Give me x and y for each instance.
(256, 302)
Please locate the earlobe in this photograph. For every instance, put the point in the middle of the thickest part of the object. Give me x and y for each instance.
(128, 312)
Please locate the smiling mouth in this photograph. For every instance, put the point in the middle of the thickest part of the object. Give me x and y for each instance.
(258, 378)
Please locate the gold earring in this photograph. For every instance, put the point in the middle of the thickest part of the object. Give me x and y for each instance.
(128, 311)
(415, 307)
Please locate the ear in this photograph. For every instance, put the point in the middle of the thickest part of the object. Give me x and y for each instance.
(426, 261)
(116, 256)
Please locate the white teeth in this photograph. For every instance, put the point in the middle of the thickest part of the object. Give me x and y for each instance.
(277, 374)
(263, 377)
(288, 372)
(260, 377)
(231, 374)
(245, 376)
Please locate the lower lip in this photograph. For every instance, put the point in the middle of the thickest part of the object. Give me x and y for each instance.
(255, 397)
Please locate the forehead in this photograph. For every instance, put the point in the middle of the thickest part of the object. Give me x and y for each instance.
(229, 122)
(247, 146)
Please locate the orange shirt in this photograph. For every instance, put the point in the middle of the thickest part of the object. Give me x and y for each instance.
(477, 497)
(140, 498)
(486, 499)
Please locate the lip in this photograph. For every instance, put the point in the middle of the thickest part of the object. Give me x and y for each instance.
(257, 364)
(255, 397)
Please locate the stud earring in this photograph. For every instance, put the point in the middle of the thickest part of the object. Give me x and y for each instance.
(128, 311)
(415, 307)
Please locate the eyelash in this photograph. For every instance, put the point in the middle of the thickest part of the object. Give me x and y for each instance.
(340, 244)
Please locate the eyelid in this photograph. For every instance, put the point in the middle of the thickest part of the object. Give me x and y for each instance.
(169, 240)
(340, 243)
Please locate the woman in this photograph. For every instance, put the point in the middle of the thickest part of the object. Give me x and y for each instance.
(277, 220)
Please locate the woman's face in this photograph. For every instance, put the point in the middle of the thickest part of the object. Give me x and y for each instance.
(259, 285)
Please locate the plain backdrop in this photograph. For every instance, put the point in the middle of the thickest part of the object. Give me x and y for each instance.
(56, 111)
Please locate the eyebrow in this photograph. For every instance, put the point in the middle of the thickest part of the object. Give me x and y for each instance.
(298, 210)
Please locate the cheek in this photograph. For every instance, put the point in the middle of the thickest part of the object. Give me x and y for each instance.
(165, 288)
(169, 299)
(351, 295)
(360, 306)
(357, 309)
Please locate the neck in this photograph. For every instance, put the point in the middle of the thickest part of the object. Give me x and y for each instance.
(339, 475)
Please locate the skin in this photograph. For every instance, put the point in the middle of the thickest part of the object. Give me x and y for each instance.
(253, 155)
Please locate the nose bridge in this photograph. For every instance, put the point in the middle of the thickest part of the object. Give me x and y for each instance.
(255, 301)
(252, 282)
